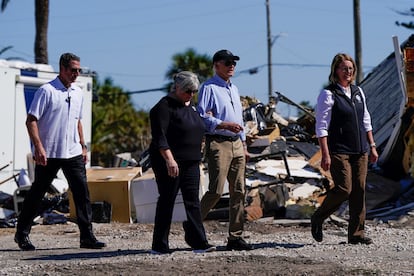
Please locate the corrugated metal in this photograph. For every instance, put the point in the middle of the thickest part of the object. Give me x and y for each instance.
(384, 96)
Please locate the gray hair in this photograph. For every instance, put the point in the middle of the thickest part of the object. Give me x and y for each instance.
(186, 80)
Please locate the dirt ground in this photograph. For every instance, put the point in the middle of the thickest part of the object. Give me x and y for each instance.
(280, 249)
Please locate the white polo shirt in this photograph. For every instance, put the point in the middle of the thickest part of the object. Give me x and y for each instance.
(58, 110)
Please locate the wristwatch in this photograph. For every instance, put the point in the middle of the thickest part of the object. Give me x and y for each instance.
(84, 146)
(373, 145)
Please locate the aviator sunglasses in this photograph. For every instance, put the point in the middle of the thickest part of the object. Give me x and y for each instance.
(229, 63)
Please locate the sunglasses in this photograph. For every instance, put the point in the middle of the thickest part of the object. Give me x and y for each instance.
(76, 70)
(229, 63)
(191, 91)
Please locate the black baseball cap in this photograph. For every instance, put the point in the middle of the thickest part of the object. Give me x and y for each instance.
(224, 55)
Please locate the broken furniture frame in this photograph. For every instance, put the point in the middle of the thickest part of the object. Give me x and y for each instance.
(277, 148)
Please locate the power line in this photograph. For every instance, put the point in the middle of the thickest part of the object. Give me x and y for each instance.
(256, 69)
(146, 90)
(251, 71)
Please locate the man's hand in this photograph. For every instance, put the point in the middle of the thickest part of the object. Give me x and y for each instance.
(233, 127)
(85, 154)
(40, 156)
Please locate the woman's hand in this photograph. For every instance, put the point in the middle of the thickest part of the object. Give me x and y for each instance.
(326, 162)
(373, 156)
(172, 168)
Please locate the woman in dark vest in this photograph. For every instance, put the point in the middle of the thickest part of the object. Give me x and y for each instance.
(344, 131)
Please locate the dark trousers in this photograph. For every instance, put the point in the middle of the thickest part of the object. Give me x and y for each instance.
(349, 173)
(188, 182)
(75, 173)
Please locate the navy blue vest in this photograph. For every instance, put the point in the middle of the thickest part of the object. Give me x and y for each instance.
(346, 129)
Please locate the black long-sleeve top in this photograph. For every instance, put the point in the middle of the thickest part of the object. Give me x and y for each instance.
(177, 127)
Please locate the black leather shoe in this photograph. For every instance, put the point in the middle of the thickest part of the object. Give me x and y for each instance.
(160, 251)
(361, 240)
(24, 242)
(316, 229)
(92, 243)
(238, 244)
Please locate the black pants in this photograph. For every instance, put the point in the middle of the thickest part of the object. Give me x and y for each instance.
(75, 173)
(188, 182)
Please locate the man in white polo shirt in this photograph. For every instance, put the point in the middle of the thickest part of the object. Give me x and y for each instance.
(55, 129)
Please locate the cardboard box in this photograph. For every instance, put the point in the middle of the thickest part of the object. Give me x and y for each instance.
(113, 186)
(145, 195)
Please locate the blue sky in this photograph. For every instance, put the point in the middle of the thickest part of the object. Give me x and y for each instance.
(133, 43)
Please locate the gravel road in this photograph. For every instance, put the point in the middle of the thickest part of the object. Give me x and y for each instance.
(280, 249)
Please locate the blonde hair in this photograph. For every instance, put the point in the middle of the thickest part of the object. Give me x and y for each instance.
(338, 59)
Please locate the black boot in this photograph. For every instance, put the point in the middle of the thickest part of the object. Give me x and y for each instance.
(24, 242)
(91, 242)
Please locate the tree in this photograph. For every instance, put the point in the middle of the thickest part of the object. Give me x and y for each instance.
(5, 49)
(116, 126)
(42, 21)
(408, 25)
(4, 4)
(190, 61)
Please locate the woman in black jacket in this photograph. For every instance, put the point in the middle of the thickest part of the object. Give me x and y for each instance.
(175, 151)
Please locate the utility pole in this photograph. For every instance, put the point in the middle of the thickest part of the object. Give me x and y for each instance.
(269, 50)
(270, 41)
(357, 38)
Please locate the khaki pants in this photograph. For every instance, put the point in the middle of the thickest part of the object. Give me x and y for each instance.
(226, 161)
(349, 174)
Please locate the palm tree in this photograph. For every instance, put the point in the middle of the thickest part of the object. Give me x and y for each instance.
(408, 25)
(5, 49)
(42, 21)
(190, 61)
(4, 4)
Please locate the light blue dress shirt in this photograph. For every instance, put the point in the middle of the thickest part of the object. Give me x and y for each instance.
(219, 101)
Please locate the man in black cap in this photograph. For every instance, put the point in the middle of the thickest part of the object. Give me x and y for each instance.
(219, 104)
